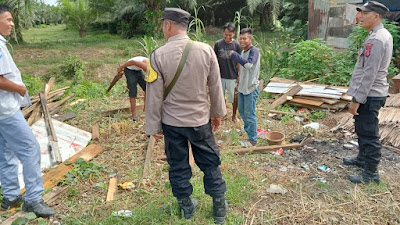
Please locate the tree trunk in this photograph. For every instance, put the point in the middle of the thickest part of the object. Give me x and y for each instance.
(82, 32)
(266, 17)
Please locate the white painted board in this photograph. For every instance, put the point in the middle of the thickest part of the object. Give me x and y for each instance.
(70, 141)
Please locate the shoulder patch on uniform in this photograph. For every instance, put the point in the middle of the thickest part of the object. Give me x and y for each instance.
(368, 49)
(151, 74)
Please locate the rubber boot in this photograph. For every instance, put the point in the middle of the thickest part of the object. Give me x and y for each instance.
(356, 161)
(220, 209)
(369, 174)
(189, 206)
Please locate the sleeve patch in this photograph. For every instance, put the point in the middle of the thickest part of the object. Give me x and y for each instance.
(368, 48)
(151, 74)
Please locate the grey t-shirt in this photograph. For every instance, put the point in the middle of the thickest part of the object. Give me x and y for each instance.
(227, 67)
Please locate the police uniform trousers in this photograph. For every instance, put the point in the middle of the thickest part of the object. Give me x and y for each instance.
(205, 153)
(367, 129)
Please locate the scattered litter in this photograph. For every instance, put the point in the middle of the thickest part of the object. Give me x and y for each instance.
(322, 180)
(314, 125)
(227, 131)
(122, 213)
(127, 185)
(333, 220)
(272, 114)
(220, 141)
(299, 119)
(283, 169)
(323, 168)
(246, 144)
(277, 189)
(267, 121)
(305, 166)
(261, 133)
(303, 111)
(354, 143)
(278, 152)
(348, 146)
(286, 150)
(263, 180)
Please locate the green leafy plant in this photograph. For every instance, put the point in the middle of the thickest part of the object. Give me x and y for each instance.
(148, 45)
(82, 170)
(33, 84)
(199, 29)
(308, 60)
(72, 67)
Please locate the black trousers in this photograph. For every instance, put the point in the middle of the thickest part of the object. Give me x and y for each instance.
(205, 153)
(367, 130)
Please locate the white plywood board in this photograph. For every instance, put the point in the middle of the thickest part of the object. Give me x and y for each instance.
(308, 90)
(70, 140)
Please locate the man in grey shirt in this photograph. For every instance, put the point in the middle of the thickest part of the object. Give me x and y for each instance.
(369, 88)
(184, 115)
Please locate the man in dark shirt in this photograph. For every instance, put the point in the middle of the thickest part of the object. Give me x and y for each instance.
(227, 67)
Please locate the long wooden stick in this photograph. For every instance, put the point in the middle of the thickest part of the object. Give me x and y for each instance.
(147, 161)
(266, 148)
(53, 141)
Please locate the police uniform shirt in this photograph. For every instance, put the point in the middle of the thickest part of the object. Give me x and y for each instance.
(370, 71)
(187, 105)
(10, 102)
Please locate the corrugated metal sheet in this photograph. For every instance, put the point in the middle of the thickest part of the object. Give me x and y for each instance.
(318, 18)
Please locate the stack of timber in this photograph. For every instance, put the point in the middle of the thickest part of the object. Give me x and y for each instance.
(54, 101)
(389, 122)
(309, 95)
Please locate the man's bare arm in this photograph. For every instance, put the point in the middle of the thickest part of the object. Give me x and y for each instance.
(141, 64)
(8, 85)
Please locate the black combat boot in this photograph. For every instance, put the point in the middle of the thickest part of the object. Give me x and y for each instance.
(369, 174)
(189, 206)
(356, 161)
(220, 209)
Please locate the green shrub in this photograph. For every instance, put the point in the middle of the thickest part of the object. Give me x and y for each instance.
(308, 60)
(72, 67)
(33, 84)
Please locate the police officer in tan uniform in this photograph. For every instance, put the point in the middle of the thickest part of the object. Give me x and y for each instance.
(369, 88)
(186, 114)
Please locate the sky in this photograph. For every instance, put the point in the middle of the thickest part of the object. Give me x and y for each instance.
(50, 2)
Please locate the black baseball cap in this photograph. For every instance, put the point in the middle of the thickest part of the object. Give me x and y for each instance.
(373, 6)
(177, 15)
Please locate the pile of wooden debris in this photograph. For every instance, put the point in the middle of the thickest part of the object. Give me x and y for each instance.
(389, 120)
(49, 99)
(307, 95)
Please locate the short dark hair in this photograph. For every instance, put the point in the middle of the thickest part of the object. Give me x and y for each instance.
(4, 8)
(182, 26)
(230, 27)
(245, 31)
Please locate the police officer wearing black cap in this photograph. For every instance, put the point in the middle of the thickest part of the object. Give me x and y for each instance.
(369, 88)
(182, 113)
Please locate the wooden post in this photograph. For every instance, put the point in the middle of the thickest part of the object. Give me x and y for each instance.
(281, 100)
(235, 103)
(95, 132)
(112, 188)
(266, 148)
(53, 141)
(147, 161)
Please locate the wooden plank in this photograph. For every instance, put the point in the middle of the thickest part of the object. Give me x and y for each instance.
(51, 178)
(53, 142)
(54, 105)
(147, 161)
(191, 158)
(112, 189)
(324, 100)
(235, 104)
(285, 113)
(281, 100)
(36, 115)
(306, 101)
(95, 132)
(49, 85)
(115, 111)
(65, 116)
(266, 148)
